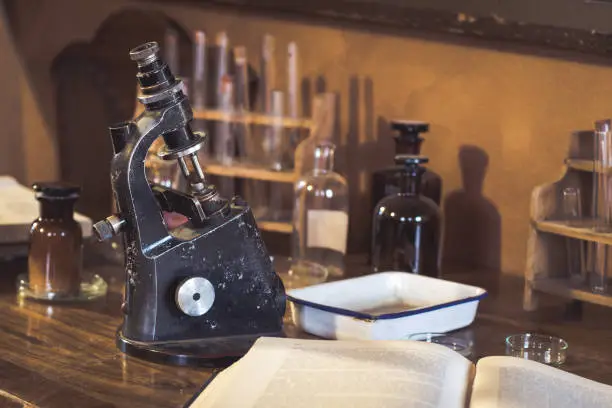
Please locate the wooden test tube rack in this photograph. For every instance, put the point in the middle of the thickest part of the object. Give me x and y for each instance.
(547, 268)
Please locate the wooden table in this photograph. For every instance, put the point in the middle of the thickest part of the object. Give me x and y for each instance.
(65, 355)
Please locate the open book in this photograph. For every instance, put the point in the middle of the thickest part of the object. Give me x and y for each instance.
(387, 374)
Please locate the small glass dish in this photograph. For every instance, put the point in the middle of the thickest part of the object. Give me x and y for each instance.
(92, 288)
(458, 344)
(542, 348)
(298, 275)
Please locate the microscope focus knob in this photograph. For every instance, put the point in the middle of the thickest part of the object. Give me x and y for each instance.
(108, 227)
(195, 296)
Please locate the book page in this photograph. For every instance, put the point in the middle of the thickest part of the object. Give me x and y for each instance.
(341, 374)
(510, 382)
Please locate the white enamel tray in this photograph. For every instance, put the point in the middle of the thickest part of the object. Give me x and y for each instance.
(407, 304)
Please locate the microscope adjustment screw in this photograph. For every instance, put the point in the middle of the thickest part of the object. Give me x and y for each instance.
(108, 227)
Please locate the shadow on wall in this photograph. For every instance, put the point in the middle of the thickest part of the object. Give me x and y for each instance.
(95, 87)
(359, 157)
(472, 234)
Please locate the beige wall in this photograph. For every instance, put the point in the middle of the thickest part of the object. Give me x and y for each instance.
(23, 135)
(519, 109)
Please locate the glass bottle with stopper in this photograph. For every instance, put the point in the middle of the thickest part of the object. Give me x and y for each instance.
(406, 229)
(408, 140)
(55, 253)
(320, 222)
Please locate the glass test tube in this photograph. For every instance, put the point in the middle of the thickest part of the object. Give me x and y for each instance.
(241, 86)
(292, 92)
(171, 51)
(224, 140)
(198, 94)
(225, 147)
(275, 142)
(267, 73)
(602, 205)
(572, 214)
(199, 89)
(221, 42)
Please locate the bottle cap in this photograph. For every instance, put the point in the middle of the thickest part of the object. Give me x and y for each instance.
(409, 127)
(407, 139)
(56, 189)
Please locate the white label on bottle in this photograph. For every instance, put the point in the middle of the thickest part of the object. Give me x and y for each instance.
(327, 229)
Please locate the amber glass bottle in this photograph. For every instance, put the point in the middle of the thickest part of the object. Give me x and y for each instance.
(55, 256)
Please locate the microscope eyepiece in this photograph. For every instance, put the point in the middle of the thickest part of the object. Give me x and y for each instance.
(145, 53)
(154, 75)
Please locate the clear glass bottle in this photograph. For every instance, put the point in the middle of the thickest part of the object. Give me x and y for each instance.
(407, 226)
(320, 216)
(388, 181)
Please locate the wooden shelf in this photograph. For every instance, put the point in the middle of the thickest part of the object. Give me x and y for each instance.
(275, 226)
(253, 118)
(562, 287)
(241, 170)
(585, 165)
(583, 231)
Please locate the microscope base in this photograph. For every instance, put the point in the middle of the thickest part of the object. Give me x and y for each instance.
(212, 352)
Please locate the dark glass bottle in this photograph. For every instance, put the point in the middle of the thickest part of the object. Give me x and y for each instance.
(406, 229)
(407, 141)
(55, 255)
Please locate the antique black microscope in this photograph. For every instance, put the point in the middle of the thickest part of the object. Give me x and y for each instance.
(201, 292)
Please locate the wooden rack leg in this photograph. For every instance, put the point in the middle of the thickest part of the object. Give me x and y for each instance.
(530, 298)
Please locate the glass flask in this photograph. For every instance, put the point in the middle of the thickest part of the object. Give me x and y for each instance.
(406, 229)
(407, 141)
(320, 216)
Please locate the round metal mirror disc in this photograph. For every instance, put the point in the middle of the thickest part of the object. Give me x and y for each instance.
(195, 296)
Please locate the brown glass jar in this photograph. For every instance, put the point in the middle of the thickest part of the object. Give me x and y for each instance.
(55, 256)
